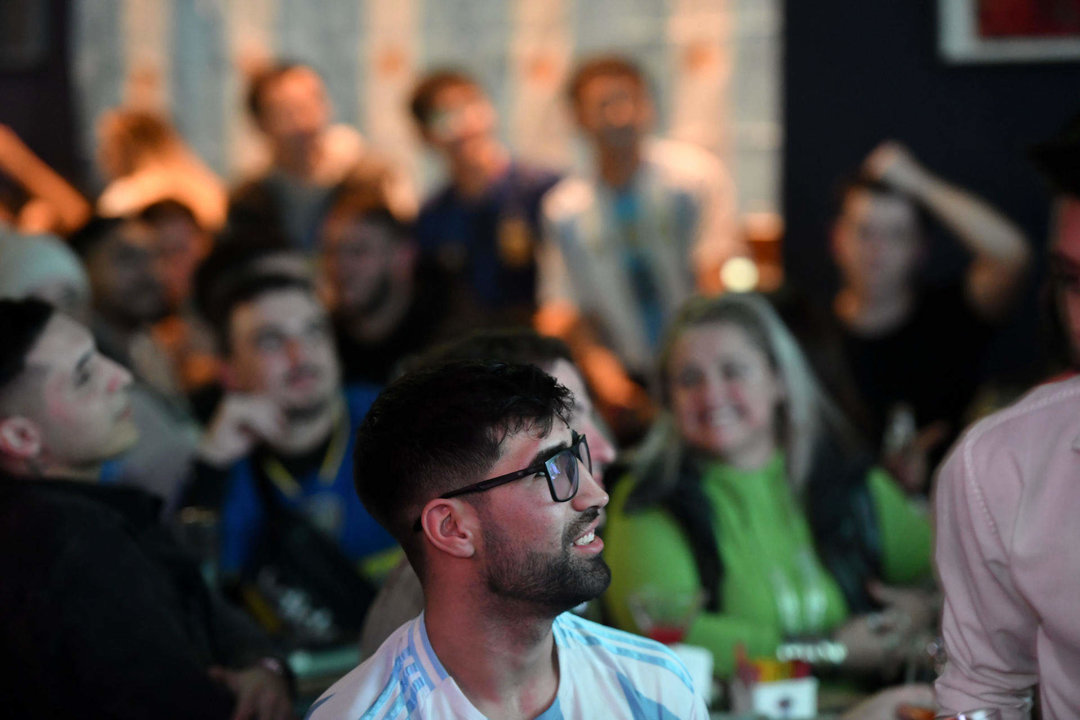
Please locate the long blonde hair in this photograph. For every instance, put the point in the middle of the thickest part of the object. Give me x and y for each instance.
(804, 418)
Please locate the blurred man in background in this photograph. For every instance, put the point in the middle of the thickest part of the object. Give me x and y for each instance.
(309, 157)
(128, 297)
(276, 460)
(482, 225)
(387, 303)
(915, 350)
(629, 242)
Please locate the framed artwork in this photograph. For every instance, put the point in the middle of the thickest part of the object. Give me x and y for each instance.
(984, 31)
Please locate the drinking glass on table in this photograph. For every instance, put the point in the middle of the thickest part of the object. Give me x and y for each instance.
(663, 615)
(980, 714)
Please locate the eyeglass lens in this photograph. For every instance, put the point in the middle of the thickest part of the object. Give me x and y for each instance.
(564, 472)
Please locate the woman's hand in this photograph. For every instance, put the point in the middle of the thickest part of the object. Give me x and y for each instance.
(920, 606)
(885, 704)
(877, 643)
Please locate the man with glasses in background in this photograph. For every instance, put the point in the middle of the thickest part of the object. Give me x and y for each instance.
(474, 468)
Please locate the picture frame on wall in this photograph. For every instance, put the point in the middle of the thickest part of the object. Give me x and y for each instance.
(1009, 31)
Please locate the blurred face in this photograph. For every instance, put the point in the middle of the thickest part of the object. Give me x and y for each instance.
(79, 403)
(180, 245)
(724, 394)
(877, 243)
(123, 278)
(282, 347)
(295, 111)
(362, 260)
(1065, 267)
(539, 551)
(614, 111)
(585, 419)
(461, 123)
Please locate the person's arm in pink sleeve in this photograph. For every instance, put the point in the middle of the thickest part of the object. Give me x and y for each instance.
(988, 627)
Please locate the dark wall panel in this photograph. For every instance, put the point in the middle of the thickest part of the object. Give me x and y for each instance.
(35, 81)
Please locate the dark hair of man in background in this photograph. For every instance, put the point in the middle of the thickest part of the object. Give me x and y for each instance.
(25, 321)
(603, 66)
(422, 102)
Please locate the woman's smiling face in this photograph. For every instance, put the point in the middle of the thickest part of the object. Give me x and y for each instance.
(724, 394)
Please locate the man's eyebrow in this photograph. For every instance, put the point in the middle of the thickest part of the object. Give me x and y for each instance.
(265, 330)
(84, 360)
(543, 455)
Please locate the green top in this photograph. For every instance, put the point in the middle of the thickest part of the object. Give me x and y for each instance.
(773, 586)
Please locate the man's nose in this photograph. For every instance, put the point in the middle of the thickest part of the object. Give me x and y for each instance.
(297, 350)
(590, 492)
(119, 378)
(601, 448)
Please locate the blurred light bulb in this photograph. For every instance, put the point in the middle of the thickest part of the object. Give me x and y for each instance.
(739, 274)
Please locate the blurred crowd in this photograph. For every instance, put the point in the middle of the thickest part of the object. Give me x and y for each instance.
(767, 457)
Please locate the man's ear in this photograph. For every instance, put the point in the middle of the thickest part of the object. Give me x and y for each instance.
(451, 526)
(20, 438)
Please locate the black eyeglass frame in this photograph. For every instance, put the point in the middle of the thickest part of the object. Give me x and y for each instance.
(577, 441)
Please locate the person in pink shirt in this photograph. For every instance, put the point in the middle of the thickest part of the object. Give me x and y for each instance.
(1007, 498)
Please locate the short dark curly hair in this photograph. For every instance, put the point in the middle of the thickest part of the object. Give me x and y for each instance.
(603, 66)
(262, 80)
(22, 321)
(440, 428)
(422, 100)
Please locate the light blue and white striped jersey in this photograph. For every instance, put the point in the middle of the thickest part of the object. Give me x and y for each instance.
(604, 673)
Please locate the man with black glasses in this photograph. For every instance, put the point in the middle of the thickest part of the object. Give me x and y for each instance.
(401, 598)
(473, 467)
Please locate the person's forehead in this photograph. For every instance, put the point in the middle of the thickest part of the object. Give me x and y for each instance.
(518, 449)
(298, 81)
(129, 237)
(602, 87)
(866, 206)
(132, 235)
(360, 231)
(63, 342)
(455, 95)
(714, 339)
(286, 309)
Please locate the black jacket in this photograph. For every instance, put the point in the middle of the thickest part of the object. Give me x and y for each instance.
(103, 614)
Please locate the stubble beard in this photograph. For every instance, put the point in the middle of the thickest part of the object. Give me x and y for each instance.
(552, 584)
